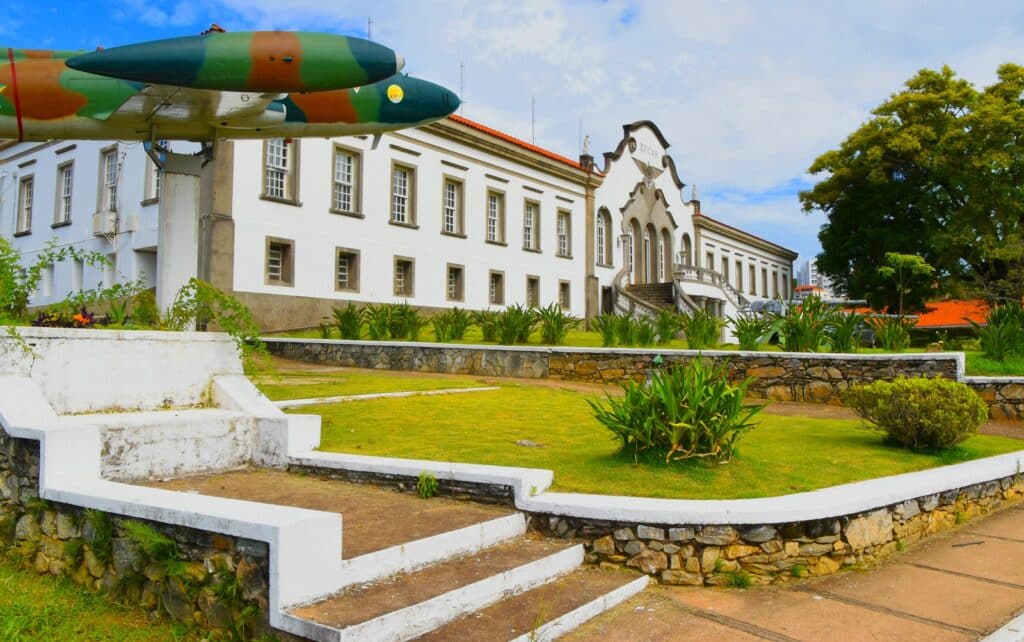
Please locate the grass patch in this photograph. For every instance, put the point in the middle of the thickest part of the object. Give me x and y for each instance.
(311, 385)
(977, 364)
(35, 607)
(781, 455)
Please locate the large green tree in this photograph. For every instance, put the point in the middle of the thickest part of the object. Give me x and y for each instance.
(938, 172)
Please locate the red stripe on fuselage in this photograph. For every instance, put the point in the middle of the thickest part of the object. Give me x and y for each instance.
(17, 99)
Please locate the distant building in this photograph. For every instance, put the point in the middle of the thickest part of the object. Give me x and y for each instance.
(810, 276)
(450, 214)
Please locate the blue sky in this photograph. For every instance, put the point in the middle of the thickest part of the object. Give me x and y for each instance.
(748, 92)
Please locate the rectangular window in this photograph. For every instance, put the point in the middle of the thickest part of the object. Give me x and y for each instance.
(110, 271)
(454, 285)
(77, 274)
(403, 276)
(346, 269)
(402, 194)
(108, 189)
(531, 226)
(345, 185)
(563, 295)
(65, 183)
(739, 276)
(46, 280)
(564, 233)
(495, 217)
(775, 284)
(764, 282)
(709, 260)
(25, 202)
(280, 158)
(532, 291)
(753, 280)
(280, 261)
(496, 288)
(451, 208)
(725, 269)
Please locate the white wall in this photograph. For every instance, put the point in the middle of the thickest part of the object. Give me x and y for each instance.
(41, 162)
(723, 246)
(317, 232)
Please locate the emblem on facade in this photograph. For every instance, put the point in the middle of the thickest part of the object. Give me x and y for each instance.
(648, 171)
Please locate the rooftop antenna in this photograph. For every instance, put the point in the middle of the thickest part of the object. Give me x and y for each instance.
(579, 139)
(533, 120)
(462, 86)
(369, 28)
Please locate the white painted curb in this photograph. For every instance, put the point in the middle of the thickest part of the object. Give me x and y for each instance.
(317, 401)
(574, 619)
(1012, 631)
(429, 550)
(420, 619)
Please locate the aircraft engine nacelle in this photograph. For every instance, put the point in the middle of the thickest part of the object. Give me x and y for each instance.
(256, 61)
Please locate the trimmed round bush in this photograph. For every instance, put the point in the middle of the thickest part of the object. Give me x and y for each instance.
(919, 412)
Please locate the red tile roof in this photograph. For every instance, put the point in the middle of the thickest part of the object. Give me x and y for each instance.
(947, 314)
(515, 141)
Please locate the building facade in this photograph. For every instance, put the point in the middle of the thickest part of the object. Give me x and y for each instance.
(810, 276)
(450, 214)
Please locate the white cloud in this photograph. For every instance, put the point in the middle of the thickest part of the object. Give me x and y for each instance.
(748, 92)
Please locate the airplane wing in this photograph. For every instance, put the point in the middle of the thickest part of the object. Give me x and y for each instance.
(165, 104)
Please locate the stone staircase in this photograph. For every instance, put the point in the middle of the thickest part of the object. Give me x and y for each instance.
(512, 586)
(660, 295)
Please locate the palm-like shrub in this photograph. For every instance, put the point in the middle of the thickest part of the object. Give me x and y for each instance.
(805, 329)
(488, 322)
(605, 324)
(893, 332)
(349, 320)
(378, 321)
(844, 331)
(919, 412)
(702, 329)
(625, 330)
(555, 324)
(515, 324)
(645, 331)
(668, 325)
(451, 325)
(751, 330)
(1002, 335)
(688, 411)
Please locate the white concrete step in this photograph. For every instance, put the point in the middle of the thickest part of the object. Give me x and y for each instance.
(170, 443)
(417, 554)
(409, 605)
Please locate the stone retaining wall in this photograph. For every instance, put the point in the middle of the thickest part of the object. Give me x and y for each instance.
(719, 555)
(452, 488)
(780, 376)
(213, 581)
(1004, 395)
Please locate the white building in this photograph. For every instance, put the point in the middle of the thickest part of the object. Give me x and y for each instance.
(450, 214)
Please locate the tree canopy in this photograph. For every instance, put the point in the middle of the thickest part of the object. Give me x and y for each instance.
(937, 172)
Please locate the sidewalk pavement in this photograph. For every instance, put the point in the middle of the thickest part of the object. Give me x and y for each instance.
(959, 586)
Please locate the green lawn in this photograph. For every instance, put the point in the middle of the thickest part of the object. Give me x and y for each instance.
(977, 364)
(36, 607)
(312, 385)
(782, 455)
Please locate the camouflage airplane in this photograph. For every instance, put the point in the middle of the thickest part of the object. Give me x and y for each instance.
(265, 84)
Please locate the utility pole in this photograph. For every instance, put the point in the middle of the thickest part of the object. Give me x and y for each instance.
(533, 120)
(369, 28)
(462, 86)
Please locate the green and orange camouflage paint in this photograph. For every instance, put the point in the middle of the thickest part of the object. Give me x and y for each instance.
(219, 85)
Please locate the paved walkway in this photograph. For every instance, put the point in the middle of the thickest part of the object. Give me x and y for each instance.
(961, 586)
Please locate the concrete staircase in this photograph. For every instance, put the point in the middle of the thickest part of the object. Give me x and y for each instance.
(660, 295)
(501, 584)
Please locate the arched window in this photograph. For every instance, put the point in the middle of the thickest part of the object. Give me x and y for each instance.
(599, 236)
(687, 251)
(661, 260)
(627, 255)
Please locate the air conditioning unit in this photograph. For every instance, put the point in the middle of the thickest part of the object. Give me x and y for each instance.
(104, 223)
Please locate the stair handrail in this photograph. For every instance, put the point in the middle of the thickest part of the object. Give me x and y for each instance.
(634, 301)
(697, 274)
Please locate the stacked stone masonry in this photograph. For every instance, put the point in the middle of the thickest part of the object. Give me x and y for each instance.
(212, 581)
(760, 554)
(818, 378)
(1004, 395)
